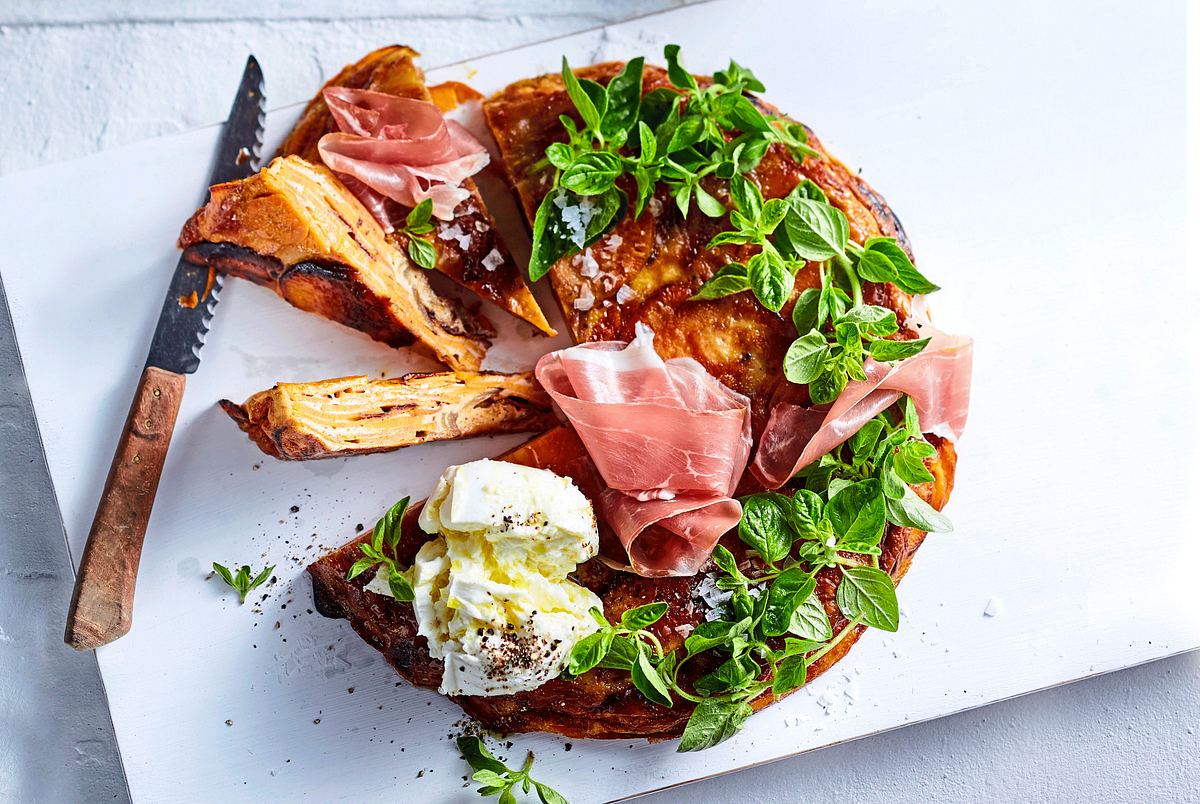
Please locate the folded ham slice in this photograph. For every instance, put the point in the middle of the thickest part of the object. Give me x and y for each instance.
(938, 380)
(668, 439)
(401, 149)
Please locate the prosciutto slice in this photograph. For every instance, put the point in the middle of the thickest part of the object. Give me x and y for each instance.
(398, 149)
(938, 380)
(669, 440)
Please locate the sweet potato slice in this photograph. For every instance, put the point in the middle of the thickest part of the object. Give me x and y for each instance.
(469, 248)
(295, 228)
(358, 415)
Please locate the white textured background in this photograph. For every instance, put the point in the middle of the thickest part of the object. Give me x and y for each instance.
(83, 76)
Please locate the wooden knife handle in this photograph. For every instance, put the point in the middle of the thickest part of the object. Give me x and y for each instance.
(102, 607)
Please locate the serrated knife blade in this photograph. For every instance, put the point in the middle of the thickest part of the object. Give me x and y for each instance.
(102, 607)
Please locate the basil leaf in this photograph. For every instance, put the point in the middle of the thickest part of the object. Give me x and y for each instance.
(725, 282)
(909, 461)
(893, 486)
(769, 279)
(807, 511)
(869, 593)
(874, 266)
(872, 318)
(857, 512)
(582, 100)
(886, 351)
(713, 721)
(588, 651)
(477, 756)
(420, 214)
(423, 252)
(679, 77)
(647, 144)
(908, 278)
(621, 654)
(648, 681)
(657, 105)
(227, 576)
(707, 204)
(551, 239)
(789, 675)
(624, 97)
(804, 312)
(809, 621)
(805, 358)
(388, 528)
(746, 117)
(401, 589)
(807, 189)
(732, 674)
(726, 562)
(560, 155)
(689, 132)
(746, 196)
(862, 443)
(764, 526)
(710, 634)
(592, 173)
(816, 231)
(791, 588)
(548, 795)
(828, 387)
(910, 511)
(640, 617)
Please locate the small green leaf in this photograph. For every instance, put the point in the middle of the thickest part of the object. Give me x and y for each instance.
(648, 681)
(908, 278)
(789, 675)
(910, 511)
(678, 76)
(764, 526)
(725, 282)
(401, 588)
(592, 173)
(560, 155)
(746, 117)
(490, 777)
(810, 621)
(828, 387)
(909, 461)
(713, 721)
(707, 204)
(646, 142)
(869, 593)
(710, 634)
(422, 252)
(769, 279)
(582, 100)
(804, 313)
(805, 358)
(689, 132)
(548, 795)
(874, 266)
(807, 512)
(389, 527)
(886, 351)
(588, 651)
(640, 617)
(359, 567)
(817, 231)
(862, 443)
(551, 240)
(624, 98)
(477, 755)
(622, 654)
(224, 572)
(786, 593)
(857, 512)
(746, 196)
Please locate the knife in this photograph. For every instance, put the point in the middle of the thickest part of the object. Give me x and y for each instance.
(102, 606)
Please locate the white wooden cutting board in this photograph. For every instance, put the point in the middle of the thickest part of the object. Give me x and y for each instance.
(1034, 153)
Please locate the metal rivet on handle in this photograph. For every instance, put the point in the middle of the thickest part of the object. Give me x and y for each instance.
(157, 392)
(137, 458)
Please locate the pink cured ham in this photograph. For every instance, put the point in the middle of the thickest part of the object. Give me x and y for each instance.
(400, 149)
(668, 439)
(938, 380)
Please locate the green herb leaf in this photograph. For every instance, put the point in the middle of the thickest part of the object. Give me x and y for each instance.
(789, 675)
(588, 651)
(551, 240)
(804, 313)
(874, 266)
(624, 99)
(910, 511)
(713, 633)
(805, 358)
(478, 756)
(678, 76)
(908, 278)
(887, 351)
(241, 581)
(713, 721)
(548, 795)
(400, 587)
(807, 512)
(622, 654)
(769, 279)
(582, 100)
(817, 231)
(560, 155)
(707, 204)
(419, 215)
(728, 280)
(810, 621)
(359, 567)
(647, 680)
(909, 461)
(869, 593)
(389, 527)
(592, 173)
(644, 616)
(764, 526)
(857, 512)
(786, 593)
(829, 386)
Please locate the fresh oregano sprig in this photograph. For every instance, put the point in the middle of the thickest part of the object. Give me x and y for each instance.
(420, 222)
(241, 581)
(387, 533)
(500, 780)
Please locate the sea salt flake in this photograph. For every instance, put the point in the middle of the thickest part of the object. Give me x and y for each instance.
(585, 298)
(613, 243)
(993, 607)
(588, 265)
(625, 293)
(684, 629)
(493, 260)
